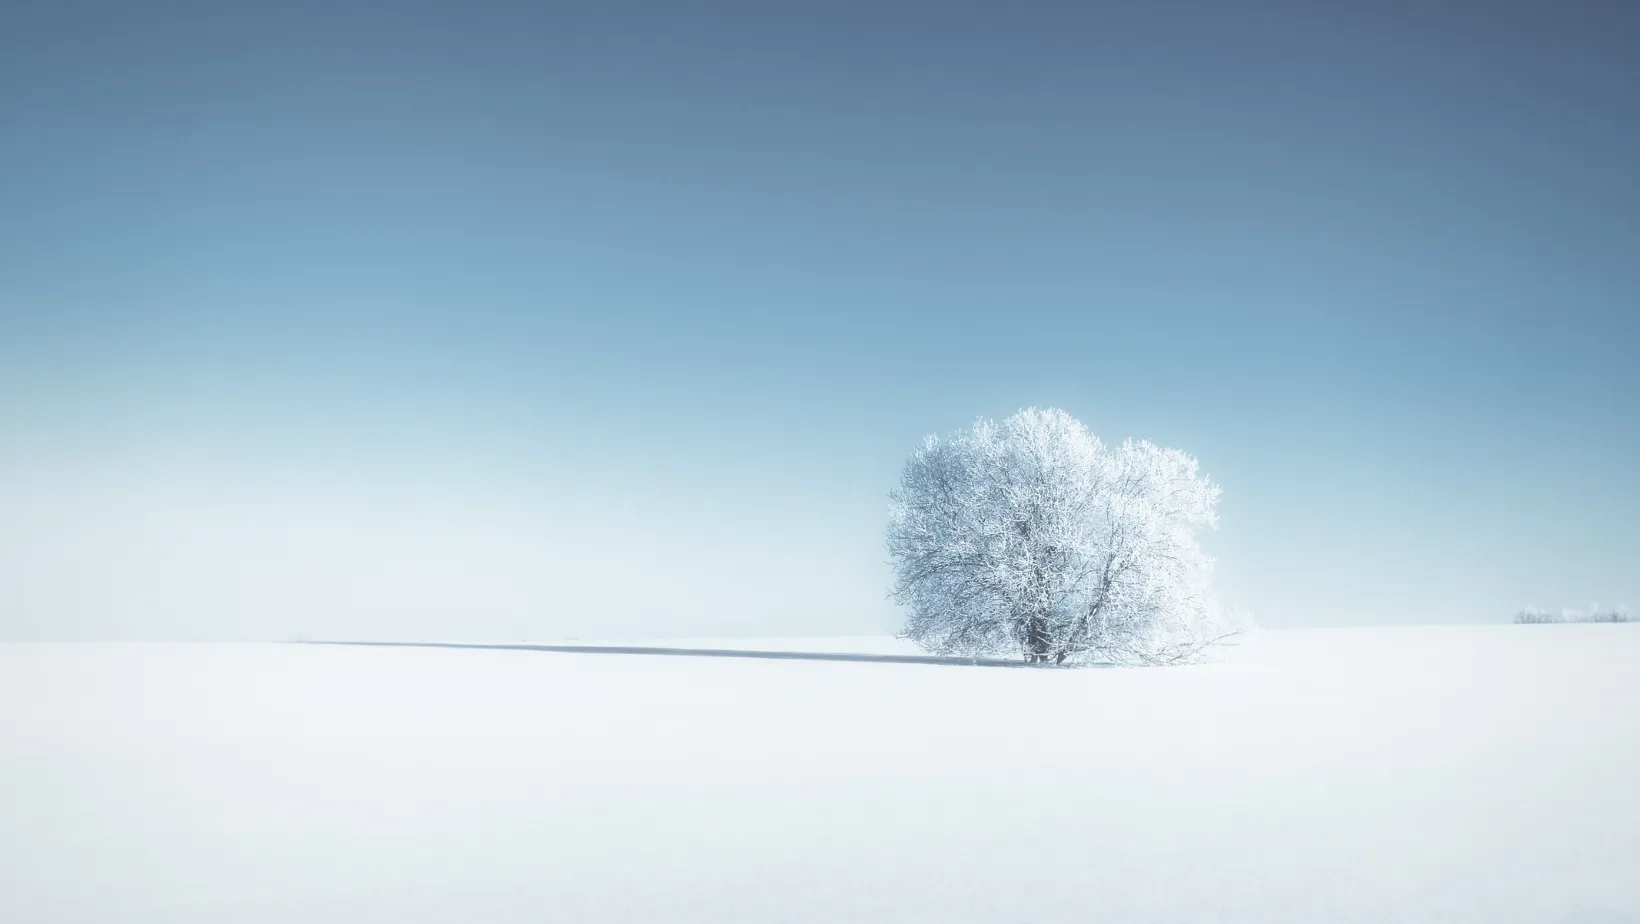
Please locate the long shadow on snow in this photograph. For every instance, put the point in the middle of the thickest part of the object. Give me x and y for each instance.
(712, 653)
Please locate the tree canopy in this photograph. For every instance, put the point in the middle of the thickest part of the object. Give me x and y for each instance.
(1033, 537)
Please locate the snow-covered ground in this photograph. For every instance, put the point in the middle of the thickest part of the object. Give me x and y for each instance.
(1474, 774)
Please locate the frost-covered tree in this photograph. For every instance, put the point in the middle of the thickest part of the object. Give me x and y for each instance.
(1033, 537)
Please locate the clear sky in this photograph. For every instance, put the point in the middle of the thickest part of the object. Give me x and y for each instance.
(532, 320)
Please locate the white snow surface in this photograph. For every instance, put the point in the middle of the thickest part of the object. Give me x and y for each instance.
(1429, 774)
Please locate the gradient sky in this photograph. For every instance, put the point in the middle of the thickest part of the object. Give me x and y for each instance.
(532, 320)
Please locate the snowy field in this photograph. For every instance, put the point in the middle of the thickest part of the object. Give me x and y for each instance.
(1476, 774)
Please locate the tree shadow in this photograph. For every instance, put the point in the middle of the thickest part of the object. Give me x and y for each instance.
(711, 653)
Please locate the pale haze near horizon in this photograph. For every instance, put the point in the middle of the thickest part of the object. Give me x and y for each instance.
(505, 323)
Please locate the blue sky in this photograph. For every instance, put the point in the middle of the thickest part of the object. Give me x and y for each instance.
(534, 320)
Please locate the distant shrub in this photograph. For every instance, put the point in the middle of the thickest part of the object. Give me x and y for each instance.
(1532, 615)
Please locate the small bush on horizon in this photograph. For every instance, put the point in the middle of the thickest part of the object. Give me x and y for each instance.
(1534, 616)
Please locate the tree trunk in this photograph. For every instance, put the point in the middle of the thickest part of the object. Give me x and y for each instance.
(1036, 639)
